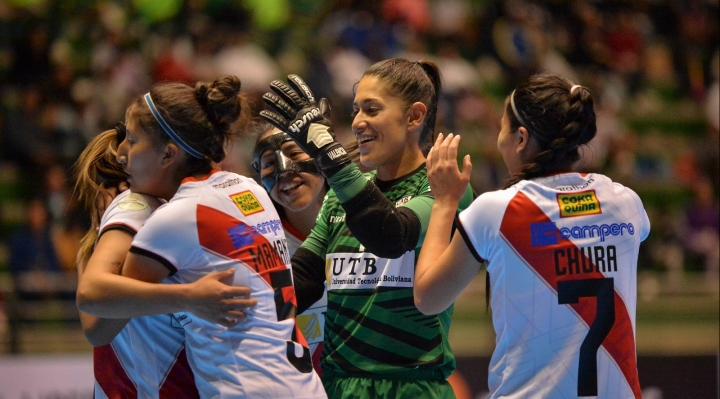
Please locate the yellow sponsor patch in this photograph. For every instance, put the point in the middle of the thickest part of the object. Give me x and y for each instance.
(578, 204)
(247, 203)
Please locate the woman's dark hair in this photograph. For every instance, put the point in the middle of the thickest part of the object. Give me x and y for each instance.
(203, 117)
(560, 120)
(418, 81)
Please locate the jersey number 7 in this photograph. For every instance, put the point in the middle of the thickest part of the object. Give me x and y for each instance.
(570, 291)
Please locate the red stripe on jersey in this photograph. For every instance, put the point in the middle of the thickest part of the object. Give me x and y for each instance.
(234, 239)
(620, 342)
(316, 357)
(229, 237)
(292, 230)
(110, 374)
(180, 381)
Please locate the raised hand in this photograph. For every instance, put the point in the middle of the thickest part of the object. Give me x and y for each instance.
(447, 181)
(294, 110)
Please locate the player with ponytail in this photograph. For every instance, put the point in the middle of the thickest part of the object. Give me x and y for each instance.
(561, 249)
(149, 350)
(369, 231)
(214, 221)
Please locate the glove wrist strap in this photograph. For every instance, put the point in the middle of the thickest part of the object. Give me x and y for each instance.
(331, 159)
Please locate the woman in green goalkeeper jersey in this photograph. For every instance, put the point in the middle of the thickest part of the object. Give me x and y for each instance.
(369, 231)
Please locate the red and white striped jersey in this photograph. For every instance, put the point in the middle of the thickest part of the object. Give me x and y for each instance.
(147, 358)
(562, 256)
(227, 220)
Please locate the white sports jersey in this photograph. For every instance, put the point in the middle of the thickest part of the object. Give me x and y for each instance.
(562, 256)
(227, 220)
(147, 358)
(312, 320)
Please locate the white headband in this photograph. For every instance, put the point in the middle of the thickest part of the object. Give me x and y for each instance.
(573, 88)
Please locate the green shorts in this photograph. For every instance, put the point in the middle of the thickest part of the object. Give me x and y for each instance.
(380, 388)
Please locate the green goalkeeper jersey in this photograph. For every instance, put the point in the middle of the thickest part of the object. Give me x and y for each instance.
(372, 327)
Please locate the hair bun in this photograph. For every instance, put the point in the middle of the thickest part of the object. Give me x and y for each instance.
(220, 100)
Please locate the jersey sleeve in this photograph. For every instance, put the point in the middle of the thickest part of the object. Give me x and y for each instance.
(317, 240)
(480, 222)
(127, 212)
(642, 214)
(170, 237)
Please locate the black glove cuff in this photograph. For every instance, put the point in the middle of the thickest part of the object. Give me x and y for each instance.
(331, 159)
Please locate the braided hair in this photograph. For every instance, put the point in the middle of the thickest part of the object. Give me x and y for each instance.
(559, 115)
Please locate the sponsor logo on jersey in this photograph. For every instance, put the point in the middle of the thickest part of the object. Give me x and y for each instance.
(575, 188)
(180, 319)
(227, 183)
(547, 233)
(337, 219)
(367, 271)
(244, 236)
(247, 203)
(402, 201)
(578, 204)
(271, 226)
(133, 202)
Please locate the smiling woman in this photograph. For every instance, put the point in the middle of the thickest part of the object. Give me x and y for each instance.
(369, 232)
(297, 189)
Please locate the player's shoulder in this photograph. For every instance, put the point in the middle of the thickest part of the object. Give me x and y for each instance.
(129, 209)
(129, 202)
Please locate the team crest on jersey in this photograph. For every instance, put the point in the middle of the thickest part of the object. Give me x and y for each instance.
(133, 202)
(578, 204)
(367, 271)
(247, 203)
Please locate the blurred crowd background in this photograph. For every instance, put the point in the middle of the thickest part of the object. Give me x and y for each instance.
(69, 68)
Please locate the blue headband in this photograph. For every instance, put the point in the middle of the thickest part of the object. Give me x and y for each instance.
(169, 130)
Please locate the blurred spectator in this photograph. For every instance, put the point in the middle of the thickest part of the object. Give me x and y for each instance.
(31, 246)
(26, 140)
(57, 193)
(702, 216)
(246, 59)
(67, 69)
(415, 14)
(31, 61)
